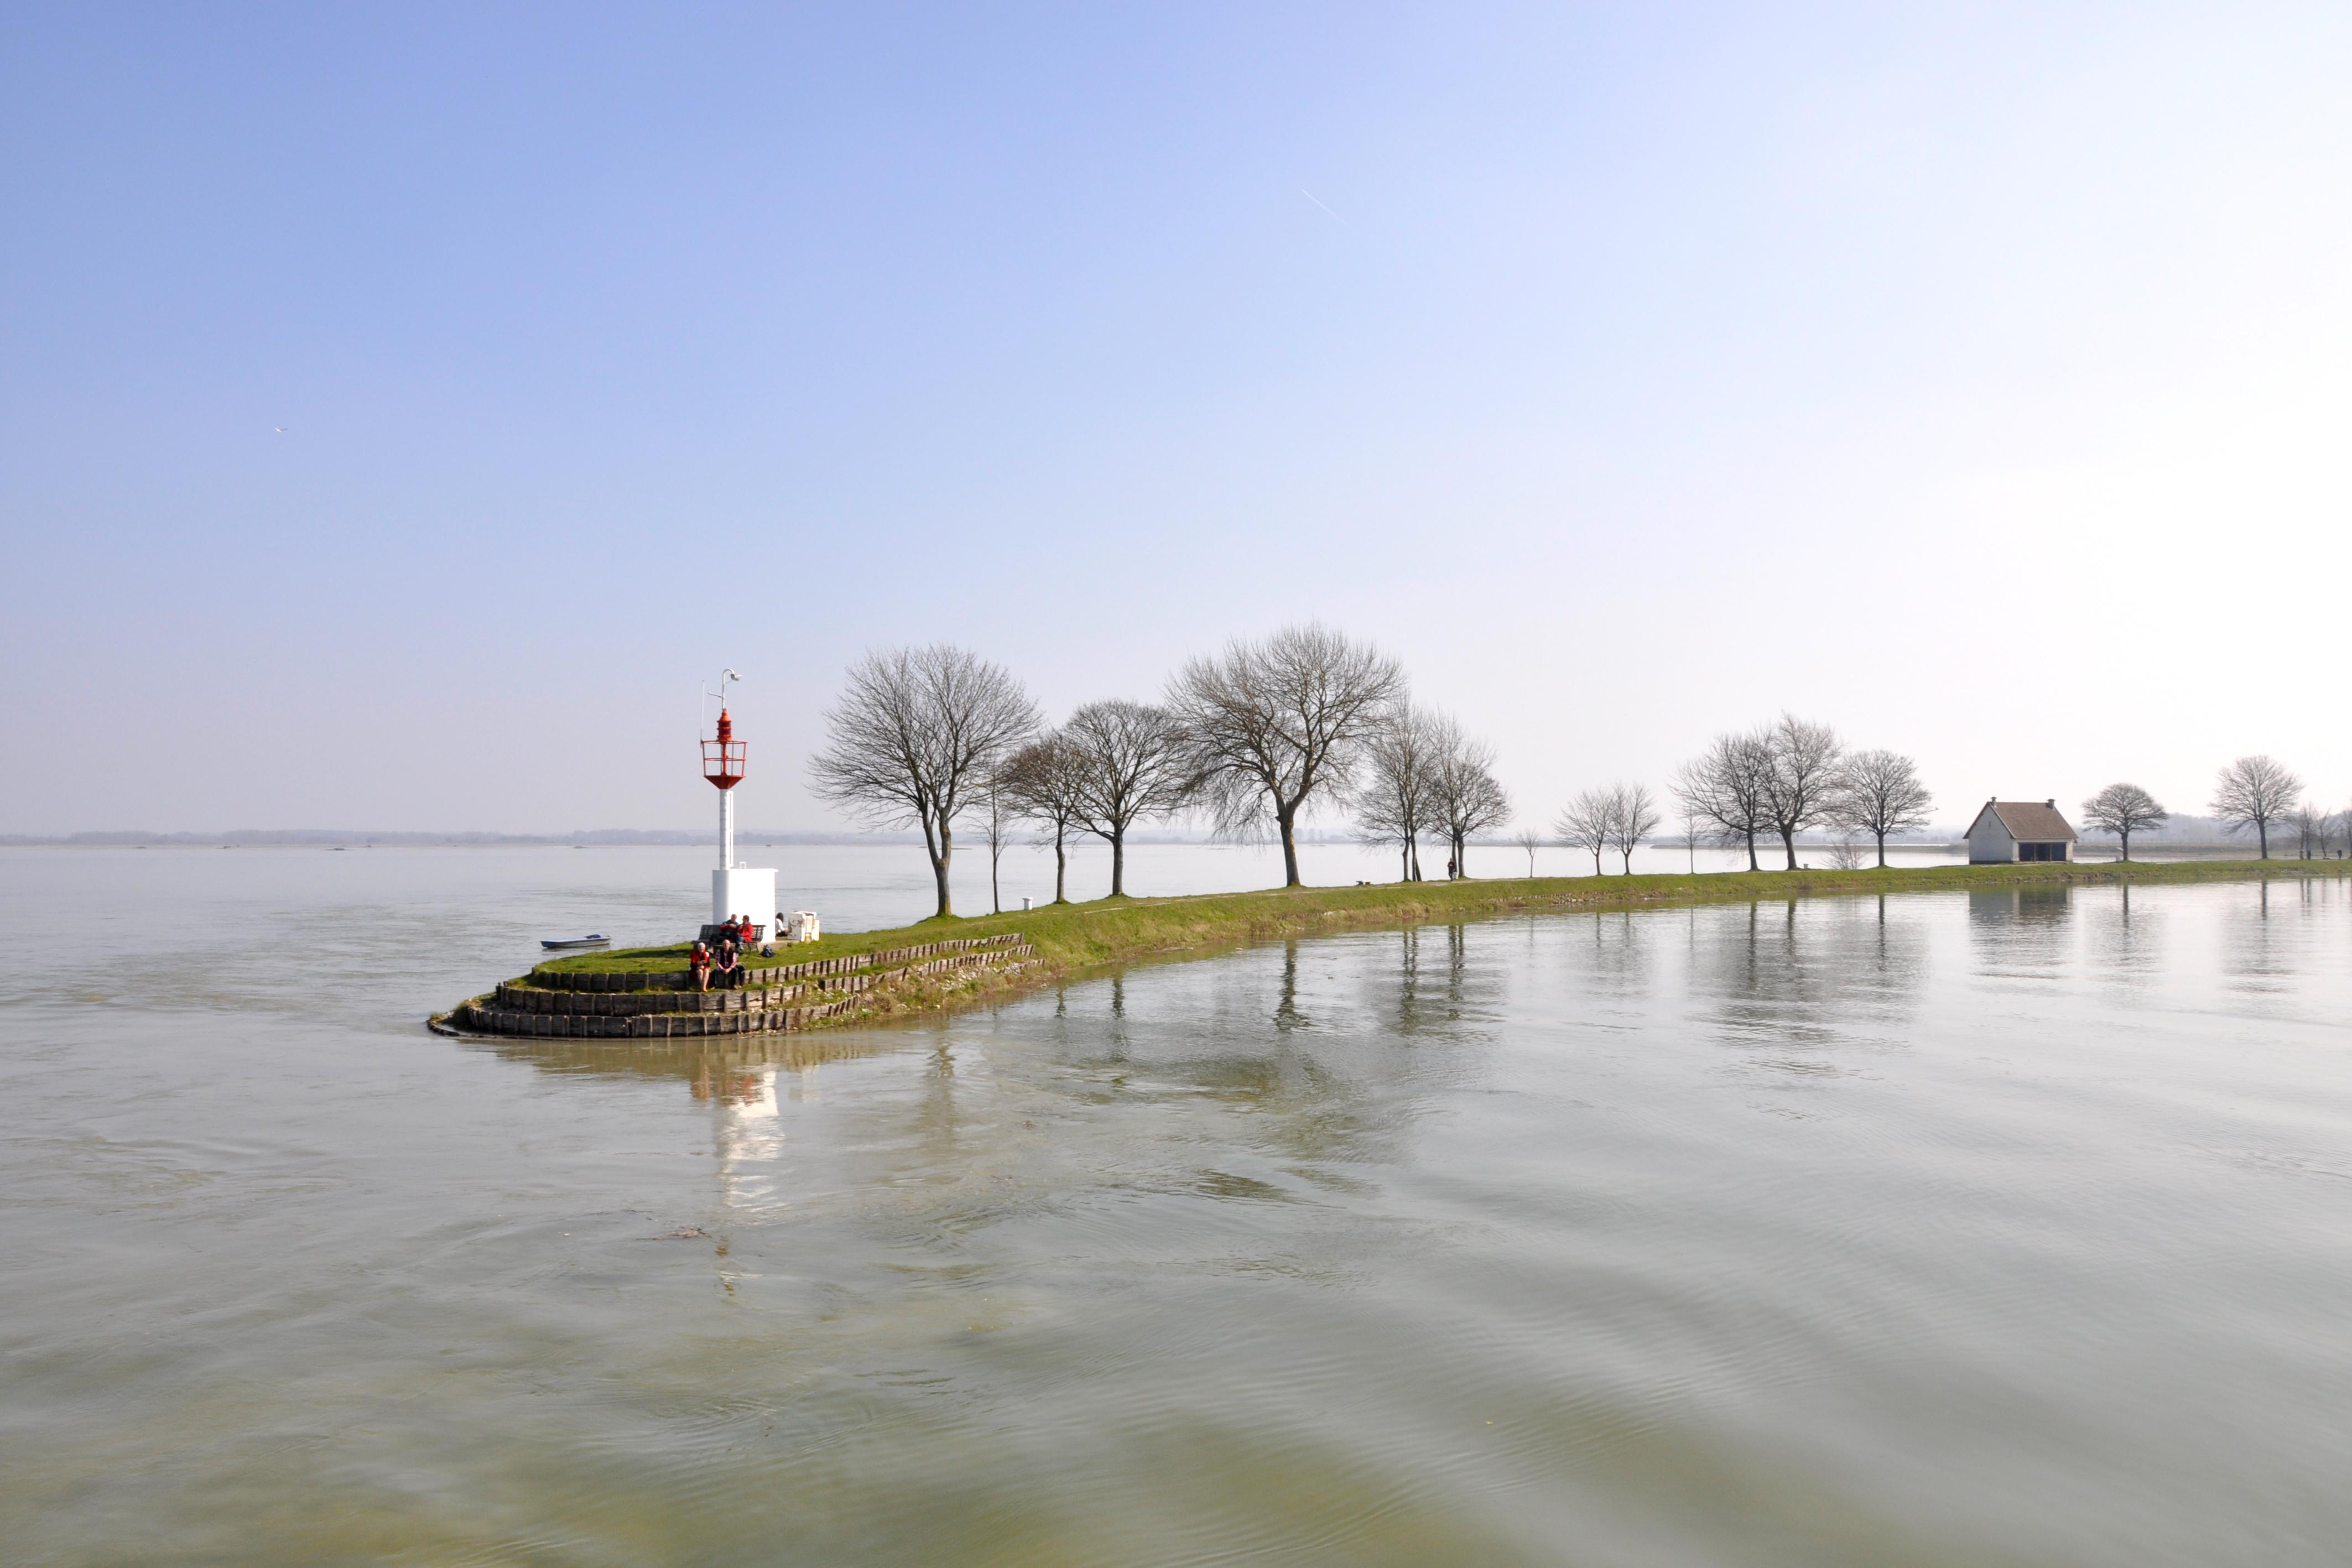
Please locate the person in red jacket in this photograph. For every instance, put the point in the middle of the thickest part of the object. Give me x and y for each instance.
(698, 963)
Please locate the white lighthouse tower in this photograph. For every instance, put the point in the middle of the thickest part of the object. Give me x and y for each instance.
(735, 889)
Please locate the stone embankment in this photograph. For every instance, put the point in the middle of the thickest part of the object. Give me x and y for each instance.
(665, 1004)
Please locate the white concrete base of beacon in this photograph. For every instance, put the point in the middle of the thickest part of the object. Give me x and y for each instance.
(746, 889)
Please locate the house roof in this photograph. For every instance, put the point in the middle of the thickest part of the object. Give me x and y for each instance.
(2028, 822)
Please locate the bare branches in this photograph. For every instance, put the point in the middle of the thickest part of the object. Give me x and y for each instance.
(2312, 824)
(1878, 793)
(1465, 797)
(1587, 824)
(1802, 784)
(914, 733)
(1394, 802)
(2123, 809)
(1273, 724)
(1131, 768)
(2253, 792)
(1632, 816)
(1727, 787)
(1531, 839)
(998, 812)
(1048, 781)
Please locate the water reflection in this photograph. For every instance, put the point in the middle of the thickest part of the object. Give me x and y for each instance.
(2024, 933)
(2126, 941)
(722, 1069)
(1811, 975)
(1430, 990)
(2256, 948)
(1496, 1263)
(1287, 1014)
(1617, 957)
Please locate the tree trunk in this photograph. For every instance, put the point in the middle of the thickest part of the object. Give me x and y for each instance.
(1283, 820)
(2127, 838)
(2262, 832)
(995, 897)
(1881, 852)
(1751, 853)
(1789, 842)
(1629, 861)
(1118, 863)
(1060, 864)
(940, 857)
(1596, 862)
(1412, 855)
(1461, 857)
(1404, 865)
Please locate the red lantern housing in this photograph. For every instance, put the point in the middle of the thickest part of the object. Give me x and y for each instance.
(722, 759)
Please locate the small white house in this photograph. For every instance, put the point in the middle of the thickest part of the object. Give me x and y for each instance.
(2007, 830)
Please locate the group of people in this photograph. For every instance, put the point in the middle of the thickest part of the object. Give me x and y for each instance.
(723, 966)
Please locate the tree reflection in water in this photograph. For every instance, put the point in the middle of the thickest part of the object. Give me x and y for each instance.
(2126, 942)
(2023, 933)
(1810, 975)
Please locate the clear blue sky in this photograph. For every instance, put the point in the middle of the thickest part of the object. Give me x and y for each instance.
(1977, 379)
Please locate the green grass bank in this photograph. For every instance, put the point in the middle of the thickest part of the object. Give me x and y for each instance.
(1073, 938)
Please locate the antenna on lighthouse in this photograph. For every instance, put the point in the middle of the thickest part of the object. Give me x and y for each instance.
(702, 714)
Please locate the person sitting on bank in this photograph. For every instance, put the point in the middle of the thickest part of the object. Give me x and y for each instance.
(698, 963)
(728, 970)
(745, 930)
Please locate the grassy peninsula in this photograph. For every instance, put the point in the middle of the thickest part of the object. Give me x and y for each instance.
(1073, 938)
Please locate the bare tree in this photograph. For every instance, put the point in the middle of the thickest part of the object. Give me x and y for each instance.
(1726, 786)
(1531, 840)
(1131, 759)
(2253, 792)
(914, 730)
(1588, 823)
(2124, 810)
(1392, 801)
(1691, 820)
(2311, 822)
(1633, 815)
(1463, 793)
(1878, 793)
(999, 814)
(1801, 785)
(1048, 781)
(1272, 726)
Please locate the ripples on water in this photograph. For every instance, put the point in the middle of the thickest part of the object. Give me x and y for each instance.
(1997, 1228)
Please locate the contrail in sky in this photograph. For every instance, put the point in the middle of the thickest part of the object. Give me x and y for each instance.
(1335, 217)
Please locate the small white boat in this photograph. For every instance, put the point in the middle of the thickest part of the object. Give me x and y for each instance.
(561, 944)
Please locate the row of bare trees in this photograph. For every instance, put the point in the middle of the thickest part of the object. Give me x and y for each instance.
(1255, 736)
(1268, 730)
(1781, 778)
(1614, 820)
(1422, 776)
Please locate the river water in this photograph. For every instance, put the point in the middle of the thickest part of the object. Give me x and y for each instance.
(1940, 1229)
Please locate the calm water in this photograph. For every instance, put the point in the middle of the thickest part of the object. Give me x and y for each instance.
(1950, 1230)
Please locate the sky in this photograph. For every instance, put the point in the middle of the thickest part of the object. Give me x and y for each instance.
(406, 409)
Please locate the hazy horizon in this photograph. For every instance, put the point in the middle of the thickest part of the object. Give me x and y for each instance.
(406, 412)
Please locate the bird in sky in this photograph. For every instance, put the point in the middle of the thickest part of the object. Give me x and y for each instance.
(279, 428)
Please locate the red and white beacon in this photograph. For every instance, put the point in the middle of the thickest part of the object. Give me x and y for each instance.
(735, 889)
